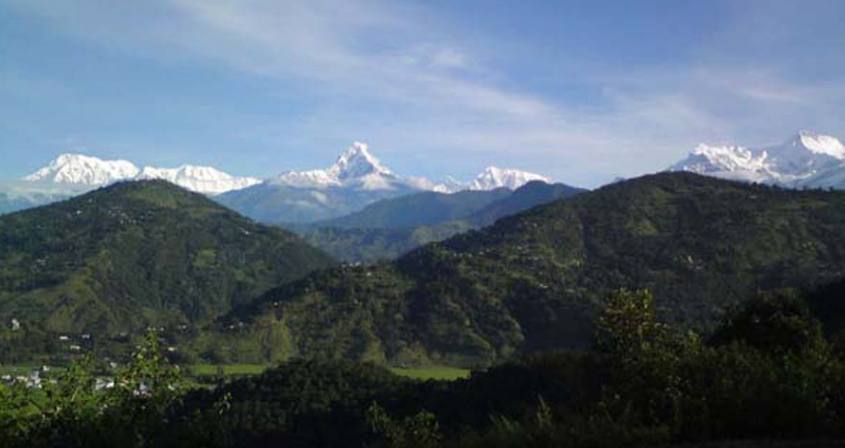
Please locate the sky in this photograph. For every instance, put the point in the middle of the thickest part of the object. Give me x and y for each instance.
(581, 91)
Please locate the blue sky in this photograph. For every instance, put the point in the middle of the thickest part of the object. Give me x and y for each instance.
(582, 91)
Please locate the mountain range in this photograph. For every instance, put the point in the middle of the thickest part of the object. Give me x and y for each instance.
(82, 170)
(535, 280)
(805, 160)
(135, 254)
(357, 178)
(389, 228)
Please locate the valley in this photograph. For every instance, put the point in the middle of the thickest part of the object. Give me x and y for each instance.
(418, 314)
(412, 224)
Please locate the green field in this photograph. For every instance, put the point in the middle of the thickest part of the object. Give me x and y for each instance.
(432, 373)
(420, 373)
(228, 369)
(17, 369)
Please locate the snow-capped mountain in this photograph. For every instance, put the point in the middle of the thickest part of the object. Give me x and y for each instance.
(359, 169)
(202, 179)
(493, 177)
(806, 159)
(87, 171)
(355, 168)
(356, 179)
(78, 169)
(727, 161)
(805, 156)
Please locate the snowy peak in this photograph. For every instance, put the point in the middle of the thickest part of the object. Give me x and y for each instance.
(355, 168)
(79, 169)
(493, 177)
(728, 161)
(201, 179)
(805, 155)
(795, 162)
(729, 156)
(357, 161)
(359, 169)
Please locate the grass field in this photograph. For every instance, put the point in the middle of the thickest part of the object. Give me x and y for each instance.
(15, 370)
(228, 369)
(432, 373)
(420, 373)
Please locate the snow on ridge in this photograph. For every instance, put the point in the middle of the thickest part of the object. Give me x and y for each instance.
(494, 177)
(88, 171)
(806, 159)
(355, 168)
(79, 169)
(202, 179)
(724, 158)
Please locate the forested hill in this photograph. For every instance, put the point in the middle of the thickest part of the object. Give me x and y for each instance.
(135, 254)
(390, 228)
(420, 209)
(523, 198)
(534, 280)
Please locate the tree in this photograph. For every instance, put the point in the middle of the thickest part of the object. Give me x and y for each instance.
(774, 322)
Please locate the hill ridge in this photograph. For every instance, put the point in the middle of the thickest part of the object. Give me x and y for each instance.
(534, 280)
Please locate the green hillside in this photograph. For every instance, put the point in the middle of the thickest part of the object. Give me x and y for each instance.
(533, 281)
(523, 198)
(373, 245)
(392, 227)
(123, 257)
(420, 209)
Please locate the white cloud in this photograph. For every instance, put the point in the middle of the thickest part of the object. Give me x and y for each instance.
(383, 71)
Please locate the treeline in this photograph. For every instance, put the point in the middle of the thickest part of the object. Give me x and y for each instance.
(768, 371)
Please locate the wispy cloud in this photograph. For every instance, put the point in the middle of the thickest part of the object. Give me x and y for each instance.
(384, 71)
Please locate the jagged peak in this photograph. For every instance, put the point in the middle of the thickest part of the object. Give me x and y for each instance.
(795, 162)
(355, 167)
(357, 161)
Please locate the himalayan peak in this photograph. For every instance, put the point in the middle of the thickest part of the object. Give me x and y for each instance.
(358, 169)
(803, 160)
(355, 169)
(87, 171)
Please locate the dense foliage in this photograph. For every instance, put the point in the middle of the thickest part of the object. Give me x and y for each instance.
(534, 281)
(375, 245)
(111, 262)
(767, 373)
(92, 404)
